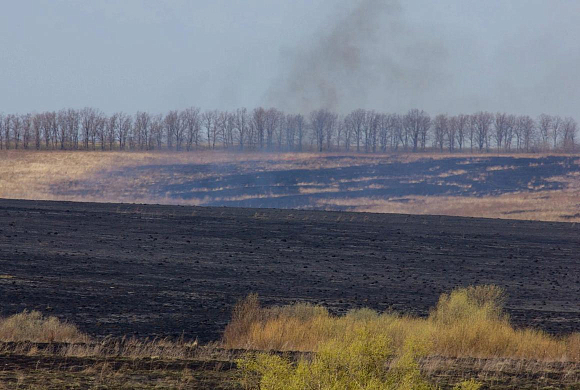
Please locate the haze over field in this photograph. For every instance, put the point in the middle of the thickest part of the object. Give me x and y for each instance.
(445, 57)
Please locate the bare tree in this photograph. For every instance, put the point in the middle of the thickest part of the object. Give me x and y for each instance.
(272, 122)
(340, 131)
(7, 131)
(174, 128)
(88, 117)
(483, 122)
(555, 131)
(357, 120)
(219, 127)
(16, 130)
(229, 130)
(397, 129)
(142, 130)
(424, 128)
(300, 130)
(290, 131)
(544, 128)
(242, 126)
(26, 130)
(191, 119)
(158, 132)
(500, 126)
(462, 129)
(371, 131)
(415, 125)
(125, 129)
(569, 128)
(452, 132)
(99, 131)
(320, 121)
(63, 128)
(441, 127)
(259, 125)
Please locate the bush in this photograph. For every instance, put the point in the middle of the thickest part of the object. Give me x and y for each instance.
(468, 322)
(358, 362)
(33, 326)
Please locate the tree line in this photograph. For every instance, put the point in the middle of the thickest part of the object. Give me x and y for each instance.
(270, 129)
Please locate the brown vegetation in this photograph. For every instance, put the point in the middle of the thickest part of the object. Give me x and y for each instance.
(467, 322)
(34, 327)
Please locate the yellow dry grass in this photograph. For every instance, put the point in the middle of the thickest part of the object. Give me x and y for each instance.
(34, 327)
(468, 322)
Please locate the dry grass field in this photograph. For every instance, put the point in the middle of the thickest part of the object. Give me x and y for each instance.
(533, 187)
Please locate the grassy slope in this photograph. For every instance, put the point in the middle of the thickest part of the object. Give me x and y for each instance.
(56, 175)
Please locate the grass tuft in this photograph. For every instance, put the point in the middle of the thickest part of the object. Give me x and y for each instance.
(34, 327)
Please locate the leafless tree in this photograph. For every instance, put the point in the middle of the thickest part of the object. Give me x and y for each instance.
(371, 131)
(340, 132)
(142, 129)
(99, 131)
(272, 122)
(544, 128)
(357, 120)
(88, 117)
(7, 129)
(500, 126)
(300, 123)
(16, 130)
(191, 119)
(229, 130)
(441, 128)
(483, 122)
(462, 129)
(242, 126)
(61, 118)
(555, 131)
(259, 125)
(174, 128)
(452, 132)
(320, 122)
(416, 125)
(527, 128)
(290, 131)
(26, 130)
(219, 127)
(424, 128)
(569, 128)
(158, 132)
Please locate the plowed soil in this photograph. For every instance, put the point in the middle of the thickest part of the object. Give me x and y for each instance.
(149, 270)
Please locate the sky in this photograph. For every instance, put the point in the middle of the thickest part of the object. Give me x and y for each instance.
(446, 56)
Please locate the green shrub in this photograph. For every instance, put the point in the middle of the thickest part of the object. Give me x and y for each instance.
(358, 362)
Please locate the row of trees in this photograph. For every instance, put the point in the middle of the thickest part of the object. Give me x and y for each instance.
(271, 129)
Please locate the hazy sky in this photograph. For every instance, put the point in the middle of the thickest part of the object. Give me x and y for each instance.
(521, 56)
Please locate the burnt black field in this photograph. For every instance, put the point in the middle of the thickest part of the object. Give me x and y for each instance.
(147, 270)
(303, 185)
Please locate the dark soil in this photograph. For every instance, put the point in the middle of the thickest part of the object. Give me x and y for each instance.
(149, 270)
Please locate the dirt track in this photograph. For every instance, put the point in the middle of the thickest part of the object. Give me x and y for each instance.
(163, 270)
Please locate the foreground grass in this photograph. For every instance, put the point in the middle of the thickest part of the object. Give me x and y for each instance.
(33, 326)
(467, 335)
(468, 322)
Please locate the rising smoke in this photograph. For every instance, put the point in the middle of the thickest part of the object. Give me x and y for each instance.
(371, 58)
